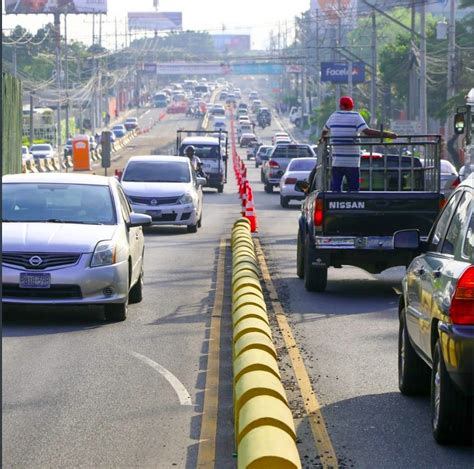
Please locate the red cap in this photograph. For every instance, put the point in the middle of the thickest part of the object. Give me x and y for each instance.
(346, 102)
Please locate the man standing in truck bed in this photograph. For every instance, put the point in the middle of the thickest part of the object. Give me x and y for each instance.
(344, 126)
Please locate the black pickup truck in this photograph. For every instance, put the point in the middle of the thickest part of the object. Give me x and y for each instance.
(397, 191)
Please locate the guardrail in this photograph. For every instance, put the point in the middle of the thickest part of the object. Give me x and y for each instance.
(56, 164)
(265, 433)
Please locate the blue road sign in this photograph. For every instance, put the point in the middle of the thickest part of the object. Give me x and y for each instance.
(338, 72)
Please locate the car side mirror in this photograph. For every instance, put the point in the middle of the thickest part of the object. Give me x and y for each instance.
(139, 219)
(302, 186)
(406, 239)
(201, 181)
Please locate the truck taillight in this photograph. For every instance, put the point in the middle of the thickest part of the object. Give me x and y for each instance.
(318, 215)
(462, 303)
(273, 164)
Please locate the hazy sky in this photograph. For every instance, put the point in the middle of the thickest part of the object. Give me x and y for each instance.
(255, 17)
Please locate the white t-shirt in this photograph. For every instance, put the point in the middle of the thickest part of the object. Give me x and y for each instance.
(195, 162)
(345, 127)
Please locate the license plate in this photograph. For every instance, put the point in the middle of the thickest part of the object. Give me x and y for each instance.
(35, 280)
(154, 213)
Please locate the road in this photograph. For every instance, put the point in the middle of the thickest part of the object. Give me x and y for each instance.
(78, 392)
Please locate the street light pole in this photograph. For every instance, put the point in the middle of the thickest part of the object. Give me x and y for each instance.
(57, 27)
(423, 103)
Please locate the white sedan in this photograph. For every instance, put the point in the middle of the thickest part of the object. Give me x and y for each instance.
(166, 188)
(298, 170)
(42, 150)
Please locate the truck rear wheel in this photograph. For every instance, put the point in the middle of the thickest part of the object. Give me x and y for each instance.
(269, 188)
(220, 188)
(315, 278)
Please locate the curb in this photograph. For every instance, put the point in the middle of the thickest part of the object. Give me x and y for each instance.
(265, 433)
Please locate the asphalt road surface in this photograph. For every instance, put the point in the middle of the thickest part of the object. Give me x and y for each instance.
(78, 392)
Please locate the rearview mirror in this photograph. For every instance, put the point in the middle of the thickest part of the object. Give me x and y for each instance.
(406, 239)
(139, 219)
(302, 186)
(459, 123)
(201, 181)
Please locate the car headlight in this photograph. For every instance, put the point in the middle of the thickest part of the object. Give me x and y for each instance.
(104, 254)
(185, 199)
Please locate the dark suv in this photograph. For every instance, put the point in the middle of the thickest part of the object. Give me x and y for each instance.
(436, 333)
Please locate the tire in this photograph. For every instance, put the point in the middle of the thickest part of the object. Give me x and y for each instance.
(136, 293)
(220, 188)
(256, 164)
(297, 122)
(116, 312)
(284, 201)
(451, 412)
(413, 372)
(268, 188)
(315, 278)
(299, 256)
(192, 228)
(199, 223)
(262, 177)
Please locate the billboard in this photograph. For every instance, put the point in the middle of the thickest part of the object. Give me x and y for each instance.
(155, 21)
(338, 72)
(55, 6)
(231, 42)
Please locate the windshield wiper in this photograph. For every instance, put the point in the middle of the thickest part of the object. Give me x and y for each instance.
(57, 220)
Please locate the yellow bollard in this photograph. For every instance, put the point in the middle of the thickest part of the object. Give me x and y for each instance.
(255, 360)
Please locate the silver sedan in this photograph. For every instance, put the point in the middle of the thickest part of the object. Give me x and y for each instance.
(71, 240)
(298, 170)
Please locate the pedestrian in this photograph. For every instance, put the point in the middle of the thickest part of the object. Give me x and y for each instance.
(344, 126)
(107, 118)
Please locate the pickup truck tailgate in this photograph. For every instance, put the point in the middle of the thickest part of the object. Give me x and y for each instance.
(378, 213)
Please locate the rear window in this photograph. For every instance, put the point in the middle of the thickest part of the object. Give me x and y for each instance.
(203, 151)
(157, 171)
(393, 161)
(284, 151)
(41, 147)
(302, 165)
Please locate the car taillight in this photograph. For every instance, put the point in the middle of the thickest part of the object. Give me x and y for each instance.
(442, 202)
(462, 303)
(273, 164)
(290, 180)
(318, 215)
(456, 183)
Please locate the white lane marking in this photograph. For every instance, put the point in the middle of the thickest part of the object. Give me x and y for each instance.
(181, 391)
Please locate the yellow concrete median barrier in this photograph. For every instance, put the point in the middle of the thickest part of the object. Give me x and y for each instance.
(257, 383)
(49, 164)
(249, 311)
(31, 166)
(243, 257)
(242, 221)
(40, 164)
(255, 360)
(265, 410)
(68, 161)
(244, 251)
(249, 325)
(24, 169)
(243, 274)
(254, 340)
(251, 300)
(243, 266)
(251, 290)
(56, 164)
(248, 280)
(243, 243)
(268, 447)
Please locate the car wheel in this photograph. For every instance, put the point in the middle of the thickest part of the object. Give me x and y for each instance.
(299, 256)
(192, 228)
(451, 412)
(268, 188)
(116, 312)
(220, 188)
(315, 278)
(297, 122)
(284, 201)
(199, 223)
(262, 177)
(256, 164)
(413, 372)
(136, 293)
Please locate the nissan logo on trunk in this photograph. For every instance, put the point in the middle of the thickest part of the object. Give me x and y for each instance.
(35, 261)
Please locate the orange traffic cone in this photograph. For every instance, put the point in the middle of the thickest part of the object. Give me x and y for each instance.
(250, 214)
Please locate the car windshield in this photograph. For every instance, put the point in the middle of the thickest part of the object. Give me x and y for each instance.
(40, 148)
(157, 171)
(302, 165)
(285, 151)
(57, 203)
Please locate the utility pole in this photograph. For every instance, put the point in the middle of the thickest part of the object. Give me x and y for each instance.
(32, 130)
(14, 58)
(412, 90)
(116, 34)
(339, 45)
(373, 83)
(57, 28)
(99, 64)
(451, 63)
(66, 76)
(423, 104)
